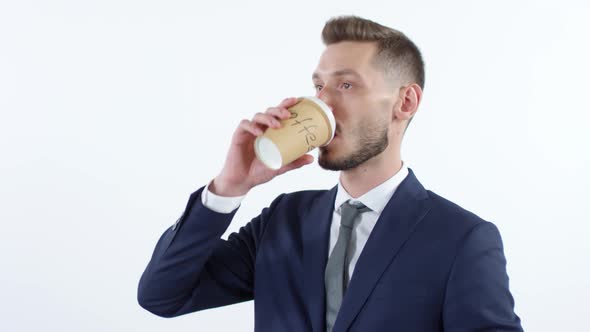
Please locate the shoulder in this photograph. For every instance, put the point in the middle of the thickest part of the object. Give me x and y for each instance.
(454, 220)
(451, 212)
(297, 204)
(302, 198)
(455, 231)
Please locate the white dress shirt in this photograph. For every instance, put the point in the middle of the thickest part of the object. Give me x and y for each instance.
(376, 199)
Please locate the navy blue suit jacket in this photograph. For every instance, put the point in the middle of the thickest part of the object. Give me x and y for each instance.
(428, 265)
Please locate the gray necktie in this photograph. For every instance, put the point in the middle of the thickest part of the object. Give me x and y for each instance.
(334, 276)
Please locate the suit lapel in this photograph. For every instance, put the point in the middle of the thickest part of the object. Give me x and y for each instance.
(316, 240)
(403, 212)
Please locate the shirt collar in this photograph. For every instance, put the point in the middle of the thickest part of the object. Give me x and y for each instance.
(376, 198)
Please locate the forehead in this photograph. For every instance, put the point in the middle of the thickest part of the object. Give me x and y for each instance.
(357, 56)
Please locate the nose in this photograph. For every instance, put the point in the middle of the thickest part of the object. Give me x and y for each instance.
(326, 97)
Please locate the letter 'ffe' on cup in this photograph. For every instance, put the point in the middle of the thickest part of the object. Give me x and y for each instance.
(310, 125)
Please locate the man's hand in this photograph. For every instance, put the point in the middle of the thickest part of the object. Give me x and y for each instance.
(242, 171)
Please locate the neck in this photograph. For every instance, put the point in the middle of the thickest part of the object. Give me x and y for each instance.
(372, 173)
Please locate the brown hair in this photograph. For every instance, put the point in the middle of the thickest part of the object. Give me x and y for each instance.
(396, 53)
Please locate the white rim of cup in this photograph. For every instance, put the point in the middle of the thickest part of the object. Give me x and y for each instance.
(328, 111)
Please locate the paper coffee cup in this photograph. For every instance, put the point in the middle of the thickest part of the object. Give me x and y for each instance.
(311, 125)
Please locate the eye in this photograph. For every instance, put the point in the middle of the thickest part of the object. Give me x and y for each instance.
(346, 86)
(318, 87)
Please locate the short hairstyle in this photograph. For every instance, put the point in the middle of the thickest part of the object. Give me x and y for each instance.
(396, 53)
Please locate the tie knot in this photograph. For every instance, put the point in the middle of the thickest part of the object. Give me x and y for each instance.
(349, 212)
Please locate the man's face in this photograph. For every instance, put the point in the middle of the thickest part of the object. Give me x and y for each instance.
(361, 99)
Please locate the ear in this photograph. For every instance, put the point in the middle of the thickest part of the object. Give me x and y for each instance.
(409, 99)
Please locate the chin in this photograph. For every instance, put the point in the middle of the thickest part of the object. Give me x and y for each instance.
(329, 160)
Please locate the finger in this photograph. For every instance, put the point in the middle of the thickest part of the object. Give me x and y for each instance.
(288, 102)
(250, 127)
(266, 119)
(297, 163)
(279, 112)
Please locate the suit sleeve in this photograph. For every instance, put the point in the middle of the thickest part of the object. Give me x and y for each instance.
(193, 269)
(477, 296)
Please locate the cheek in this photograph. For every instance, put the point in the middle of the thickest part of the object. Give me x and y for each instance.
(372, 125)
(384, 110)
(362, 111)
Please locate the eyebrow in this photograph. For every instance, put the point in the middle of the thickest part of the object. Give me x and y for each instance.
(342, 72)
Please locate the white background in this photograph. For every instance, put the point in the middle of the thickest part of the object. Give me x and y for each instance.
(113, 112)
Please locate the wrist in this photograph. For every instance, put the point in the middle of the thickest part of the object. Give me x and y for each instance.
(223, 188)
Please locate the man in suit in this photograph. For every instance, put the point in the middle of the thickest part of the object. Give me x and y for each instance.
(377, 252)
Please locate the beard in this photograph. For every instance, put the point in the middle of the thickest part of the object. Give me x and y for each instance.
(370, 141)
